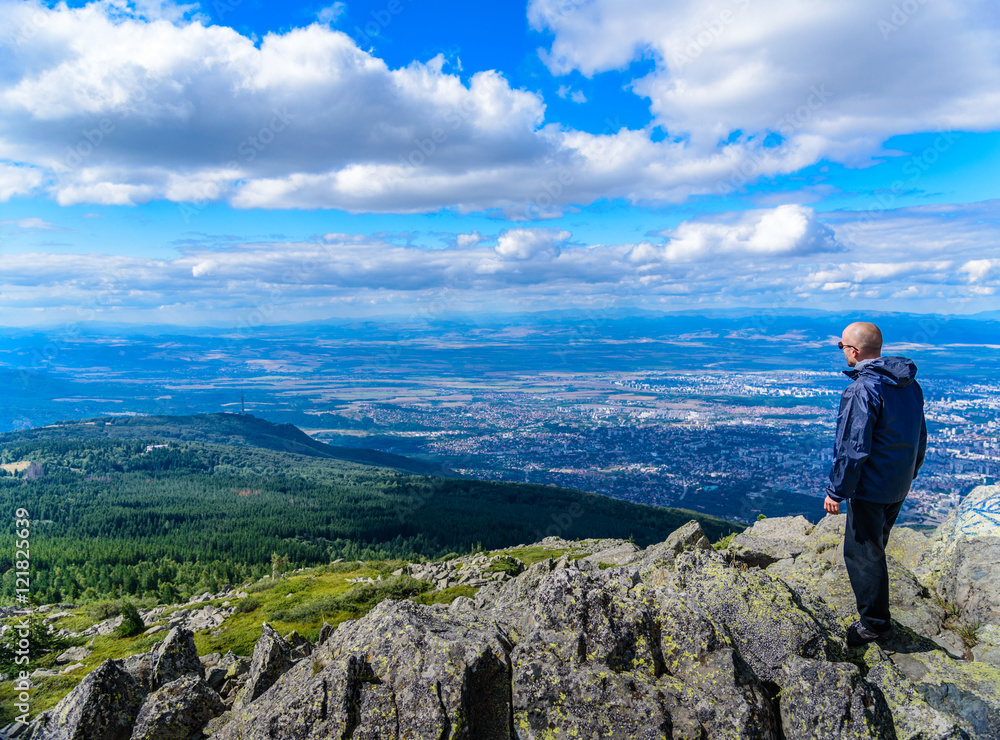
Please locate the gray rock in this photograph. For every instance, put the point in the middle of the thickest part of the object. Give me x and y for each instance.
(829, 701)
(324, 633)
(401, 671)
(103, 706)
(761, 614)
(913, 718)
(622, 554)
(967, 692)
(217, 723)
(770, 540)
(914, 551)
(170, 659)
(73, 655)
(178, 710)
(271, 658)
(688, 538)
(968, 556)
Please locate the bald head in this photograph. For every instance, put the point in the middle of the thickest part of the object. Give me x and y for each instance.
(865, 337)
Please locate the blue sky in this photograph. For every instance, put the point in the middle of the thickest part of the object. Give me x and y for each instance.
(186, 163)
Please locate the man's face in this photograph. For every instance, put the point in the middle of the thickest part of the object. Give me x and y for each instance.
(850, 352)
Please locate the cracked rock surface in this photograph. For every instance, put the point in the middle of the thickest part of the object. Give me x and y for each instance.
(677, 641)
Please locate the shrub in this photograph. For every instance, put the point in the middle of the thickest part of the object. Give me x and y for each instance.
(724, 542)
(506, 564)
(247, 605)
(262, 585)
(132, 623)
(41, 638)
(102, 610)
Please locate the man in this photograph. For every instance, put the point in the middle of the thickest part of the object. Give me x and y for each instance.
(880, 446)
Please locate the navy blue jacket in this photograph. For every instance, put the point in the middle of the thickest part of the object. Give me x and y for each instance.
(881, 433)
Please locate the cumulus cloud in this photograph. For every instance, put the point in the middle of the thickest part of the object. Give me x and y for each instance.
(103, 104)
(835, 76)
(782, 231)
(116, 109)
(783, 256)
(18, 180)
(526, 244)
(982, 269)
(468, 240)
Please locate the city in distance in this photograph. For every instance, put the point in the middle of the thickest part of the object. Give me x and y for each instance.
(731, 414)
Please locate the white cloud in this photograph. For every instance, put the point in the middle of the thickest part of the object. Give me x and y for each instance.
(468, 240)
(100, 105)
(118, 110)
(331, 13)
(526, 244)
(827, 74)
(785, 230)
(16, 180)
(577, 96)
(31, 224)
(780, 256)
(979, 270)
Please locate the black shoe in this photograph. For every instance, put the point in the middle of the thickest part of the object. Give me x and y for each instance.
(858, 634)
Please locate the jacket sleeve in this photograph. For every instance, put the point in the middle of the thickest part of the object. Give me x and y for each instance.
(922, 446)
(855, 422)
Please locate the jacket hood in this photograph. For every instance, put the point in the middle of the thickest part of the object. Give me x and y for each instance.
(893, 370)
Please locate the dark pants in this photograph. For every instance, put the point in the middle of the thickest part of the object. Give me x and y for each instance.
(867, 534)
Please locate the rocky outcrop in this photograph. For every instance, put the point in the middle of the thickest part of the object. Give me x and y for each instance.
(120, 697)
(104, 705)
(680, 642)
(272, 656)
(675, 641)
(177, 710)
(481, 569)
(965, 546)
(173, 657)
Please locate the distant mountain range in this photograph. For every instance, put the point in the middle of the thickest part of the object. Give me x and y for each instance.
(570, 315)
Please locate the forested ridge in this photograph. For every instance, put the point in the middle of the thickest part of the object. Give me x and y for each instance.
(157, 516)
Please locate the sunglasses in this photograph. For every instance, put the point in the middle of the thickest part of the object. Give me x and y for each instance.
(841, 345)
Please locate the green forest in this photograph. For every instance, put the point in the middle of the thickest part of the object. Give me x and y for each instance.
(156, 516)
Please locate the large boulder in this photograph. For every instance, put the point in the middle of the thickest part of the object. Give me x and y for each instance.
(403, 670)
(103, 706)
(967, 556)
(760, 614)
(770, 540)
(272, 656)
(178, 710)
(824, 701)
(662, 556)
(912, 716)
(963, 690)
(173, 657)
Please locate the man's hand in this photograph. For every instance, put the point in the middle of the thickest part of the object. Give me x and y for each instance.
(831, 506)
